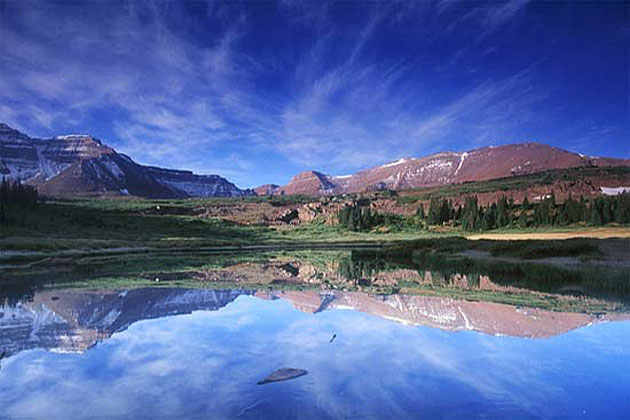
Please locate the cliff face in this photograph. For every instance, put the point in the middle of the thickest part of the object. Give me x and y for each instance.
(82, 164)
(26, 158)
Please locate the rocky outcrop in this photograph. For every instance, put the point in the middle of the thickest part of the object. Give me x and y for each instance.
(82, 164)
(283, 374)
(266, 189)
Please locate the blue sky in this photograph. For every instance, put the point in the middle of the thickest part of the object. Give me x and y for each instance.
(258, 91)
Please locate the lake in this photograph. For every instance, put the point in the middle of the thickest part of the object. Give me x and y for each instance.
(164, 349)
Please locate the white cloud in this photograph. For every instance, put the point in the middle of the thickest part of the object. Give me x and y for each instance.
(177, 100)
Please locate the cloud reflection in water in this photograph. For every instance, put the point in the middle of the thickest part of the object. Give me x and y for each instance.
(206, 364)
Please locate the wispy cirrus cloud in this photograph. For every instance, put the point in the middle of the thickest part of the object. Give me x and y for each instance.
(169, 97)
(338, 87)
(325, 124)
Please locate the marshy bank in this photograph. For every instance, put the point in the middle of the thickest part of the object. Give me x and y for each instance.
(584, 275)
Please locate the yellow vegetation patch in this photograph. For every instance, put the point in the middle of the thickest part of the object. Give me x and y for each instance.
(599, 233)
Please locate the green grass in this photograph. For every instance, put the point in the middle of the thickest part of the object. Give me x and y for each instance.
(126, 242)
(96, 224)
(110, 223)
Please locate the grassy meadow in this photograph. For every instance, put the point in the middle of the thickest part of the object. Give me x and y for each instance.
(127, 242)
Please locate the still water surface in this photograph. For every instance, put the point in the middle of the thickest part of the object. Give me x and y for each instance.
(182, 353)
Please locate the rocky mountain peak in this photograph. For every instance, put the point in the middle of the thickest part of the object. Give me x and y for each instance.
(83, 164)
(307, 175)
(309, 183)
(266, 189)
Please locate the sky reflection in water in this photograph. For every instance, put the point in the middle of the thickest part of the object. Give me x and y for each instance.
(206, 365)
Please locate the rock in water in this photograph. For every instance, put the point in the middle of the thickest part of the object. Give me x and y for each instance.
(283, 374)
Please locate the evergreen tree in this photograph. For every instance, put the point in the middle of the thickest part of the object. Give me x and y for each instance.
(502, 218)
(522, 219)
(596, 213)
(525, 205)
(17, 194)
(583, 210)
(543, 212)
(572, 211)
(433, 217)
(357, 218)
(607, 210)
(618, 212)
(458, 213)
(3, 216)
(470, 214)
(420, 211)
(489, 217)
(446, 212)
(4, 191)
(624, 202)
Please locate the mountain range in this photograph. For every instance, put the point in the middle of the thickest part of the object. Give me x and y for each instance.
(84, 165)
(444, 168)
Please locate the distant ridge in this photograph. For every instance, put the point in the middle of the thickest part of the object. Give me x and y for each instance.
(446, 168)
(80, 164)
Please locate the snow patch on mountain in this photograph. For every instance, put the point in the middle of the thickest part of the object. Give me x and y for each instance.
(615, 191)
(440, 164)
(398, 162)
(201, 189)
(72, 136)
(462, 157)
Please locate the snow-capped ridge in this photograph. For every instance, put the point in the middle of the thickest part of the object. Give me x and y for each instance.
(73, 136)
(450, 167)
(398, 162)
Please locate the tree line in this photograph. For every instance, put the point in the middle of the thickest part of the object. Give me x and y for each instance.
(547, 212)
(359, 217)
(502, 213)
(14, 194)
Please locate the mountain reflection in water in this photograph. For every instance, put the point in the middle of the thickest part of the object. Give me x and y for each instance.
(381, 335)
(75, 320)
(180, 353)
